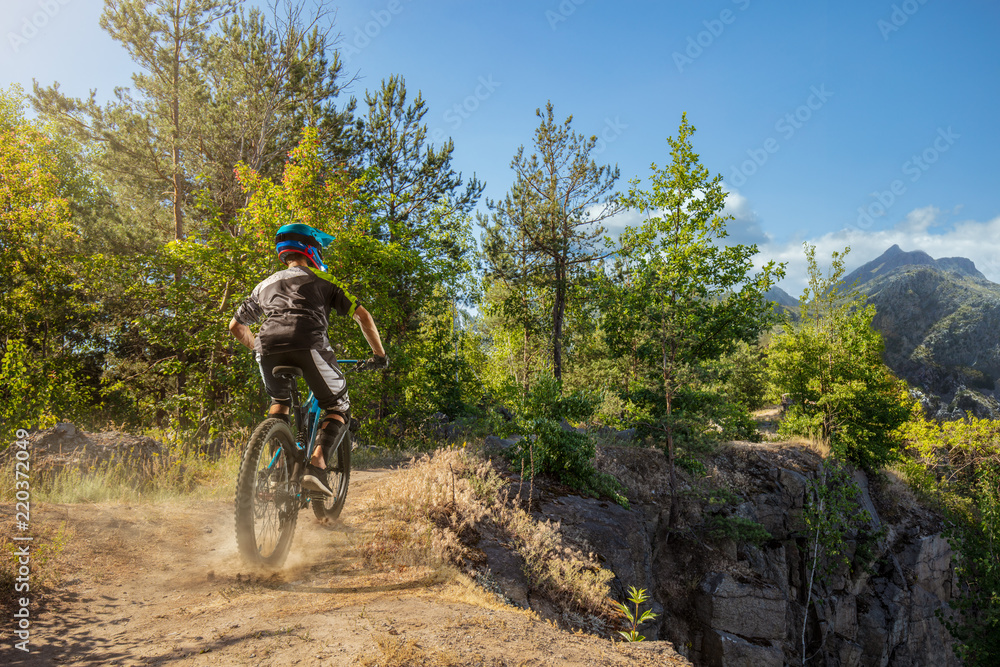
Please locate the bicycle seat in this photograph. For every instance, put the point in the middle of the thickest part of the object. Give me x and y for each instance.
(286, 372)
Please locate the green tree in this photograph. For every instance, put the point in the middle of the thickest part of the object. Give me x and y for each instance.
(546, 231)
(676, 285)
(215, 86)
(42, 286)
(419, 207)
(830, 365)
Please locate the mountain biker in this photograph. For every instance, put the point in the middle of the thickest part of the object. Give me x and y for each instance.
(296, 303)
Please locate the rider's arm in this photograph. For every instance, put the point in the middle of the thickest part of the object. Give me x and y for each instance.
(367, 324)
(243, 334)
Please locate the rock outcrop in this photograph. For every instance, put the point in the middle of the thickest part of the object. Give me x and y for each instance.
(722, 602)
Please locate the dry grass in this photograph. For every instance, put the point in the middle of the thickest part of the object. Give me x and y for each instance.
(416, 515)
(391, 651)
(47, 560)
(432, 513)
(173, 474)
(566, 575)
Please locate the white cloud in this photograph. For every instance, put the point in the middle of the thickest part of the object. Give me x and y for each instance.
(738, 206)
(975, 240)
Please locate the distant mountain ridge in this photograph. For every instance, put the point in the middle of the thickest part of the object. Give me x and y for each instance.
(895, 258)
(781, 297)
(940, 320)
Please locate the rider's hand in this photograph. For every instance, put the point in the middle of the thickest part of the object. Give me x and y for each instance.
(376, 363)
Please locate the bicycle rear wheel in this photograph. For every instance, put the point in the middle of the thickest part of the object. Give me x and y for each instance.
(339, 465)
(267, 497)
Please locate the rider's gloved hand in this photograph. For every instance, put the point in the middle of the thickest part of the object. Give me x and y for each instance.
(376, 363)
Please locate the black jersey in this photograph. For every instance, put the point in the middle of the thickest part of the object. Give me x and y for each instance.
(296, 304)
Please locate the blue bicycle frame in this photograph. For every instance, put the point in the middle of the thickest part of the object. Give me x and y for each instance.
(307, 414)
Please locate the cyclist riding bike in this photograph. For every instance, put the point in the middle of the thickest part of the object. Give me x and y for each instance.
(296, 304)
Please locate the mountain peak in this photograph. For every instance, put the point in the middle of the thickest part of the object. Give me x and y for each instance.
(895, 257)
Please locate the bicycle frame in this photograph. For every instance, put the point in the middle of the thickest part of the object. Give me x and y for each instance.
(307, 419)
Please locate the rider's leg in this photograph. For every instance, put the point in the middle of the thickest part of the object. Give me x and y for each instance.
(326, 380)
(280, 390)
(330, 431)
(279, 409)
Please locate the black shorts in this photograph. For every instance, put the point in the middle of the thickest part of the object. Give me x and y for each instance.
(320, 371)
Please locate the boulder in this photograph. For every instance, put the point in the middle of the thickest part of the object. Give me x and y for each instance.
(628, 435)
(493, 442)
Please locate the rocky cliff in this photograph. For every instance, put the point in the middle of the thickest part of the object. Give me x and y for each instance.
(726, 602)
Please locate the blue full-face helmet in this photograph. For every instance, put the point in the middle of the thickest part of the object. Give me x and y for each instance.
(304, 240)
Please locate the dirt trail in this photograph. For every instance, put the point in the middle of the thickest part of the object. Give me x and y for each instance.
(163, 584)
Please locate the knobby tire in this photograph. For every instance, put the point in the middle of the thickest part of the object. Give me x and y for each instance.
(267, 502)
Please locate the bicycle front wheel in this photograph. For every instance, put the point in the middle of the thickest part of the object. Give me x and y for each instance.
(267, 497)
(339, 465)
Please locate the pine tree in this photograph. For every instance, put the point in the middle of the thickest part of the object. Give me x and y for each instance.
(554, 211)
(215, 86)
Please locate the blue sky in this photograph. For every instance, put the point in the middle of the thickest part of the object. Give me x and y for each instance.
(850, 123)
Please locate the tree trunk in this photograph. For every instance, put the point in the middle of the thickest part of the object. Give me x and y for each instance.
(176, 121)
(524, 355)
(668, 392)
(558, 309)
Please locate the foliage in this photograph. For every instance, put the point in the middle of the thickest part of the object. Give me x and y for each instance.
(830, 365)
(546, 401)
(740, 375)
(543, 236)
(676, 285)
(548, 448)
(566, 455)
(634, 618)
(957, 464)
(44, 291)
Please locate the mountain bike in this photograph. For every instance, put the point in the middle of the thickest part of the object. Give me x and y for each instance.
(269, 492)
